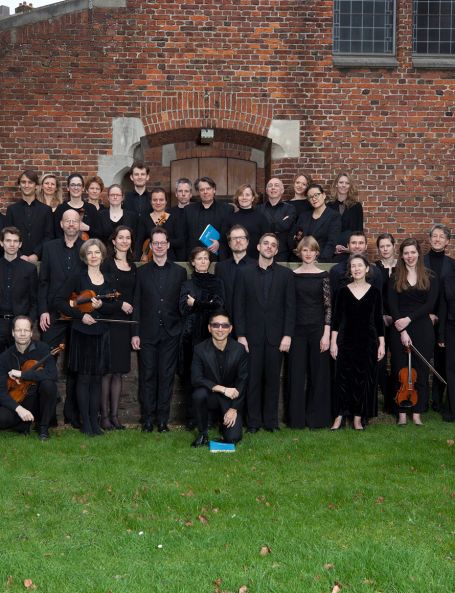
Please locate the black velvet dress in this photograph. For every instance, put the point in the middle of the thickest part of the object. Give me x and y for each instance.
(360, 324)
(120, 333)
(309, 401)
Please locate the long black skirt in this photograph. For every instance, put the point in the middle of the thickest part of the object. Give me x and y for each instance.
(89, 354)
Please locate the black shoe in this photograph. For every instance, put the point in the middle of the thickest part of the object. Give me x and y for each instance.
(147, 426)
(201, 441)
(116, 424)
(43, 434)
(253, 430)
(436, 406)
(272, 429)
(163, 427)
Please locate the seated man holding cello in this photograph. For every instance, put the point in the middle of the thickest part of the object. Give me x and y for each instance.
(28, 387)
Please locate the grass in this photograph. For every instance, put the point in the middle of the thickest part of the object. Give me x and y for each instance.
(138, 513)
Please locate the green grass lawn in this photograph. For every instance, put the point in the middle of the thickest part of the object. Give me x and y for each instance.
(137, 513)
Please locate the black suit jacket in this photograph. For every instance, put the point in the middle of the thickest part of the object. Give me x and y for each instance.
(325, 229)
(54, 272)
(147, 302)
(35, 222)
(351, 220)
(205, 371)
(259, 321)
(228, 270)
(24, 287)
(219, 214)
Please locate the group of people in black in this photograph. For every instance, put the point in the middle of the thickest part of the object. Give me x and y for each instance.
(224, 333)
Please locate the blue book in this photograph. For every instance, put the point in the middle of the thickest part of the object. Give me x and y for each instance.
(220, 447)
(208, 235)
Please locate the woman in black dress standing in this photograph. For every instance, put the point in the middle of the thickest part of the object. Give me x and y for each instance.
(199, 296)
(120, 266)
(412, 296)
(309, 401)
(114, 216)
(357, 344)
(248, 216)
(89, 345)
(344, 201)
(321, 222)
(300, 185)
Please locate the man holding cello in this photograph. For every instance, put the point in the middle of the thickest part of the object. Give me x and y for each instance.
(28, 376)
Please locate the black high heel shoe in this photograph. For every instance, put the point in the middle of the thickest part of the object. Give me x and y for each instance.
(116, 424)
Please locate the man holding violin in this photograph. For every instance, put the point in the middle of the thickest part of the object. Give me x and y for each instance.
(25, 394)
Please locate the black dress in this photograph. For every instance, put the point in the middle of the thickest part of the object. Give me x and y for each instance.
(309, 401)
(360, 324)
(351, 219)
(120, 333)
(416, 304)
(89, 344)
(106, 226)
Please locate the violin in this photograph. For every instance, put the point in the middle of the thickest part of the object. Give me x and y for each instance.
(83, 234)
(147, 254)
(18, 388)
(407, 396)
(83, 300)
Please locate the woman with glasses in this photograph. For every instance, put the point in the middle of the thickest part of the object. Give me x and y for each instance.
(87, 212)
(249, 217)
(202, 294)
(321, 222)
(114, 216)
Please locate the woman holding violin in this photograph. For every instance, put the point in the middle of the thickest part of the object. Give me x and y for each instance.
(84, 298)
(120, 267)
(412, 295)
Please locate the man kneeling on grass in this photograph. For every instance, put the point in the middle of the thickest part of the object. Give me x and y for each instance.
(18, 406)
(219, 374)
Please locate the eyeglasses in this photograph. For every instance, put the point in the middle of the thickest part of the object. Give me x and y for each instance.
(75, 185)
(159, 243)
(242, 238)
(314, 196)
(220, 325)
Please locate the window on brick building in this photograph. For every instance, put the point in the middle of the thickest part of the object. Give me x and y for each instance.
(364, 32)
(434, 27)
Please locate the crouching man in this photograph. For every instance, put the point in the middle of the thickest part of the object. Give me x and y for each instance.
(41, 396)
(219, 375)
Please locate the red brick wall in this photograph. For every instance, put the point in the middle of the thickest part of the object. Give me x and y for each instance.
(235, 66)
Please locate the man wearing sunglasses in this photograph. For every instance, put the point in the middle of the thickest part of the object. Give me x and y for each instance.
(219, 375)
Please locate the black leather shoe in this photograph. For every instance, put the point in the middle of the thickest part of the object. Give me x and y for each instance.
(147, 426)
(43, 434)
(202, 440)
(163, 427)
(253, 430)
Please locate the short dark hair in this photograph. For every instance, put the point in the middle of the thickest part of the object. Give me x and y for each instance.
(110, 247)
(219, 312)
(159, 230)
(32, 175)
(72, 176)
(19, 318)
(158, 190)
(195, 251)
(12, 230)
(238, 227)
(357, 256)
(183, 180)
(382, 236)
(208, 180)
(357, 234)
(139, 165)
(314, 185)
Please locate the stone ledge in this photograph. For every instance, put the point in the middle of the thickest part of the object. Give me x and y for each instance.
(433, 61)
(357, 61)
(46, 13)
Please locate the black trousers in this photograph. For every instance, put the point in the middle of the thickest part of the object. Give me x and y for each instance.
(40, 402)
(59, 332)
(205, 400)
(422, 336)
(439, 363)
(309, 398)
(263, 386)
(157, 365)
(6, 336)
(449, 411)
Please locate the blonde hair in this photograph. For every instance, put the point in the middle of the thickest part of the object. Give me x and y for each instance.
(57, 198)
(310, 243)
(353, 192)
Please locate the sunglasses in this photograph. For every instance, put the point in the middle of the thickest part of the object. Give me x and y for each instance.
(220, 325)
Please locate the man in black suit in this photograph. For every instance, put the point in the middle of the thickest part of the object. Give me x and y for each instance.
(442, 265)
(264, 316)
(41, 397)
(31, 217)
(200, 214)
(281, 216)
(227, 269)
(219, 374)
(156, 310)
(357, 244)
(18, 285)
(138, 200)
(183, 193)
(60, 260)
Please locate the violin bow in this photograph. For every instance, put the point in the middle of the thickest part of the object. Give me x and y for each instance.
(101, 319)
(423, 359)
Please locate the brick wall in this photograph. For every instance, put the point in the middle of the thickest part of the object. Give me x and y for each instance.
(236, 66)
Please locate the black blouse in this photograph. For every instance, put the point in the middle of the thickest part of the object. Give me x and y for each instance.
(313, 300)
